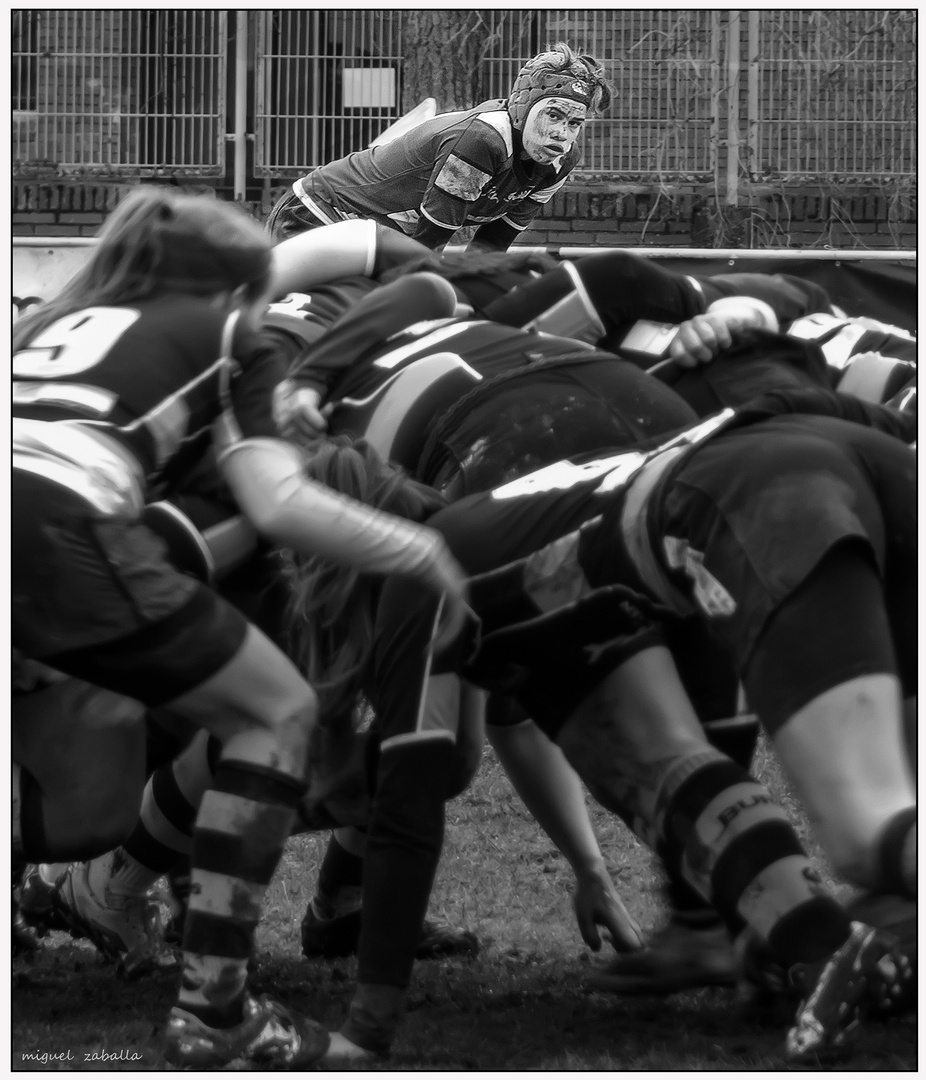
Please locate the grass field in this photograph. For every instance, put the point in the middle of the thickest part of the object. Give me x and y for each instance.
(520, 1006)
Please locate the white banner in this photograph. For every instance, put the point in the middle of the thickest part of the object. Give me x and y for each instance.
(42, 267)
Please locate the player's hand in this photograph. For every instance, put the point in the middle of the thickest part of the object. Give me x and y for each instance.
(297, 411)
(700, 339)
(343, 1054)
(597, 904)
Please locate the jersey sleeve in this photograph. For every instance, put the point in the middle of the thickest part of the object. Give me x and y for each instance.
(788, 296)
(495, 236)
(264, 361)
(466, 163)
(394, 248)
(287, 508)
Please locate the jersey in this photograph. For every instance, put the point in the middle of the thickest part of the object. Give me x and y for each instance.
(614, 498)
(304, 316)
(154, 375)
(461, 168)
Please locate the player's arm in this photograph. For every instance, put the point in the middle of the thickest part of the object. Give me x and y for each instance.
(344, 249)
(466, 162)
(820, 402)
(699, 339)
(788, 296)
(499, 235)
(266, 479)
(352, 339)
(552, 791)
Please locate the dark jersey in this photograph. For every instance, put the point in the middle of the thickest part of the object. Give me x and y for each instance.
(154, 375)
(612, 499)
(307, 316)
(460, 168)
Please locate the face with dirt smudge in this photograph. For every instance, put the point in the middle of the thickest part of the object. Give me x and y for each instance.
(551, 128)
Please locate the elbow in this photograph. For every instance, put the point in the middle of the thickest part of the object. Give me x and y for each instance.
(436, 295)
(266, 521)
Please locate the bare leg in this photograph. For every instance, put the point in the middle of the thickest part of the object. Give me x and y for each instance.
(844, 752)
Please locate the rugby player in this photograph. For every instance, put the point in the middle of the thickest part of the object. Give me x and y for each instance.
(116, 381)
(494, 166)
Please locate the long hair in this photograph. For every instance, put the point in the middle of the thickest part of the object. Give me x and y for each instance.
(157, 241)
(453, 265)
(331, 608)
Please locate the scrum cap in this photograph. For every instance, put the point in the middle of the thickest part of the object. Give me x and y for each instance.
(558, 73)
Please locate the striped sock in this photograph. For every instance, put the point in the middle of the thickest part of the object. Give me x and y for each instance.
(164, 831)
(242, 826)
(734, 844)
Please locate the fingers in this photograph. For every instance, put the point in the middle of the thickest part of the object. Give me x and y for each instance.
(588, 928)
(296, 412)
(626, 935)
(700, 339)
(597, 904)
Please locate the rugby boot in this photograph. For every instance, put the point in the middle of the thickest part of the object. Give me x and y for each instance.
(23, 939)
(126, 930)
(332, 930)
(892, 915)
(677, 957)
(865, 975)
(270, 1035)
(36, 904)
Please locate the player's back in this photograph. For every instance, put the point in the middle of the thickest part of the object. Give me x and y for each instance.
(153, 373)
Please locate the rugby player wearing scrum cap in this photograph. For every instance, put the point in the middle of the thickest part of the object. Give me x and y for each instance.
(494, 166)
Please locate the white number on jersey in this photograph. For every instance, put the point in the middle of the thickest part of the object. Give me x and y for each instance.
(562, 475)
(74, 343)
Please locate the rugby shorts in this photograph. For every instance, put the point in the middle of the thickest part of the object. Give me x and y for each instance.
(99, 600)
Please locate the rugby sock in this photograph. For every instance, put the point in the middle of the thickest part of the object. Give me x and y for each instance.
(737, 737)
(735, 846)
(242, 825)
(897, 854)
(340, 869)
(163, 833)
(402, 853)
(17, 822)
(29, 818)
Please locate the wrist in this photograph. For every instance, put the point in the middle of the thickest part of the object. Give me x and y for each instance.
(589, 866)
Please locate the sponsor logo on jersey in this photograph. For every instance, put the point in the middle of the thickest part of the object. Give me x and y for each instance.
(709, 593)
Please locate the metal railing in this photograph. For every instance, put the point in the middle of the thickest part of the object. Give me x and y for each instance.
(139, 92)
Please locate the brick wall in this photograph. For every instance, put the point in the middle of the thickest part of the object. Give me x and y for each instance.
(580, 216)
(63, 209)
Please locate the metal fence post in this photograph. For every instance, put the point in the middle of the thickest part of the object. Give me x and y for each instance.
(240, 136)
(731, 196)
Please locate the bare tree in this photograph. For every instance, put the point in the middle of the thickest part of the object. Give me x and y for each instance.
(442, 51)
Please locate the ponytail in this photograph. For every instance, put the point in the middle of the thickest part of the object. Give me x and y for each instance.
(331, 609)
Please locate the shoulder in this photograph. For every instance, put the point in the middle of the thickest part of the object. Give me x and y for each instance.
(487, 126)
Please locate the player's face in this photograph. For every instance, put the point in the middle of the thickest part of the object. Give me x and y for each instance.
(551, 128)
